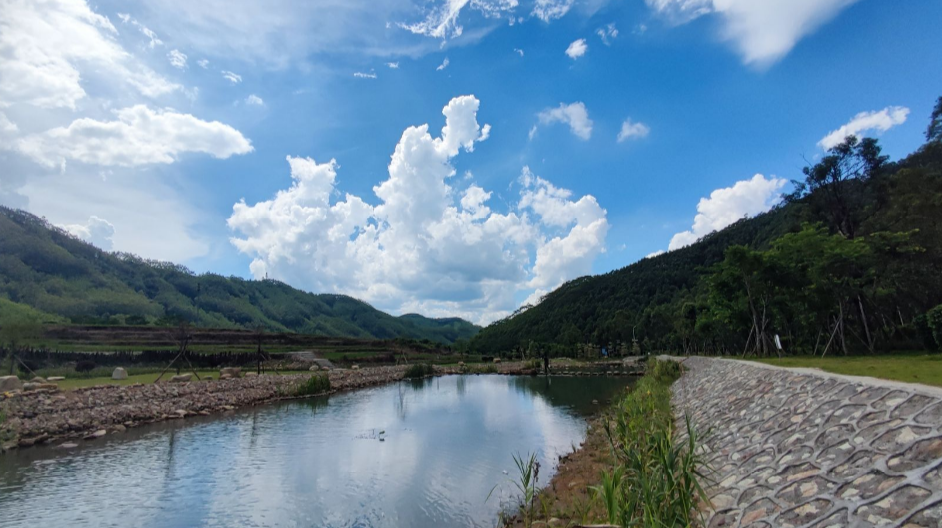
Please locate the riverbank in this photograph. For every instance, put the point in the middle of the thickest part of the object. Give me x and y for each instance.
(793, 448)
(50, 415)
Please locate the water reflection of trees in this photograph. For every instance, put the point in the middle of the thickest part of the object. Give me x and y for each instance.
(576, 393)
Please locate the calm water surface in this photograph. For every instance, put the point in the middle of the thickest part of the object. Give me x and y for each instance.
(315, 462)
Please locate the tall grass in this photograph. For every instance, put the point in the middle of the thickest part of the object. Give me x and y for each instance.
(528, 475)
(657, 476)
(316, 384)
(419, 370)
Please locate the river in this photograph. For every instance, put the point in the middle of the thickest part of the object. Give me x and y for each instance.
(314, 463)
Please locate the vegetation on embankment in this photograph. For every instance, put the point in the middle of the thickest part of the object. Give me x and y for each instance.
(905, 367)
(851, 262)
(635, 468)
(316, 384)
(54, 276)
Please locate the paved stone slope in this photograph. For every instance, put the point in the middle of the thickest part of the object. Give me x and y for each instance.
(792, 449)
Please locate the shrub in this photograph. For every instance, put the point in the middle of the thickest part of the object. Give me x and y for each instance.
(533, 364)
(316, 384)
(664, 371)
(84, 366)
(419, 370)
(934, 321)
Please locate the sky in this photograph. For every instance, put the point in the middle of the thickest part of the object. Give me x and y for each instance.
(451, 158)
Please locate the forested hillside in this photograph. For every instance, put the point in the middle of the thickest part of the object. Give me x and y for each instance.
(849, 262)
(45, 268)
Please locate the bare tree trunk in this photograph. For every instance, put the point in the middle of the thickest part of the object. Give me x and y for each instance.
(863, 316)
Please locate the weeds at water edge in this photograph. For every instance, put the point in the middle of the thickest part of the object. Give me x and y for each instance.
(528, 475)
(658, 472)
(316, 384)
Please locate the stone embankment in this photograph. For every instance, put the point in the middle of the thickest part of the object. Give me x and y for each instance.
(793, 448)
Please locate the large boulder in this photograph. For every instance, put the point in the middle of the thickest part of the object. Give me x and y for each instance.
(182, 378)
(232, 372)
(119, 374)
(10, 383)
(251, 374)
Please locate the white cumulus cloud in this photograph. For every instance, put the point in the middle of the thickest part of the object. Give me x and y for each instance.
(864, 122)
(393, 65)
(426, 246)
(443, 65)
(254, 100)
(96, 231)
(204, 63)
(365, 75)
(177, 59)
(47, 47)
(575, 115)
(138, 136)
(728, 205)
(762, 31)
(632, 130)
(577, 49)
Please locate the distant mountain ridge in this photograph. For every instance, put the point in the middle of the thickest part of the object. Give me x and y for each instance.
(47, 269)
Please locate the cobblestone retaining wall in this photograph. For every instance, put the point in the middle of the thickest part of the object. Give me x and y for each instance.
(790, 448)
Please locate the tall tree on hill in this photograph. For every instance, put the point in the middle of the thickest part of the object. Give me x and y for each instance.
(832, 187)
(934, 132)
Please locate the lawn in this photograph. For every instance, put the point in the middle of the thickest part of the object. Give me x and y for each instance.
(922, 368)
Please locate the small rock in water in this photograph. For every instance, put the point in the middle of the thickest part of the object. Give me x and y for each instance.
(67, 445)
(97, 434)
(119, 374)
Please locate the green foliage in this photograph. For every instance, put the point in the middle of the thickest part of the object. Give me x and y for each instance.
(850, 262)
(316, 384)
(934, 132)
(526, 484)
(657, 476)
(59, 278)
(419, 370)
(663, 372)
(934, 321)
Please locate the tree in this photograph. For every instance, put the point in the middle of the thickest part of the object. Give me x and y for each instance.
(934, 132)
(830, 184)
(19, 333)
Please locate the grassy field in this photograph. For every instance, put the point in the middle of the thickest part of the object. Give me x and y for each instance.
(922, 368)
(150, 377)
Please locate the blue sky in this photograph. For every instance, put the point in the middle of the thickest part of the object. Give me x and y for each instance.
(107, 130)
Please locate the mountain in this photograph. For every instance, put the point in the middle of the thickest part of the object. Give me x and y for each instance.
(873, 283)
(44, 268)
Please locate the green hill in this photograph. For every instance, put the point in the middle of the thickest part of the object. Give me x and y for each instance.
(853, 258)
(49, 274)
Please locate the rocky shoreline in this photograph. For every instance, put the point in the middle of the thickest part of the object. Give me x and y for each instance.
(49, 415)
